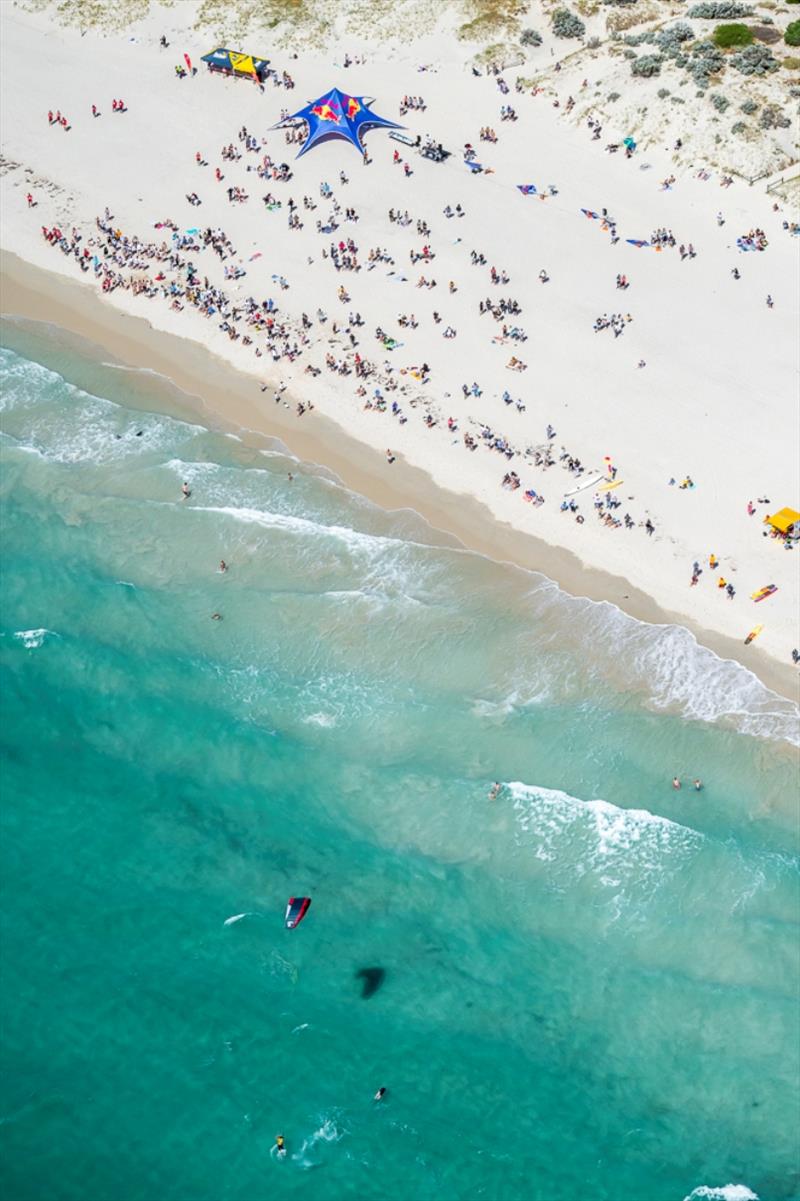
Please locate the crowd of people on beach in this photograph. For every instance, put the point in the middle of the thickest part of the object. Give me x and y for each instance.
(175, 271)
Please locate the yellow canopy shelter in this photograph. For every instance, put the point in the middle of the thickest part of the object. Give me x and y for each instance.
(783, 520)
(231, 62)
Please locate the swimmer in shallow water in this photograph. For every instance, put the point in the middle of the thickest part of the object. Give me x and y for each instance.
(698, 785)
(676, 783)
(280, 1145)
(494, 791)
(223, 566)
(216, 617)
(185, 490)
(380, 1094)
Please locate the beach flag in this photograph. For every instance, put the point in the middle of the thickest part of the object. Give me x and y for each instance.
(188, 62)
(588, 213)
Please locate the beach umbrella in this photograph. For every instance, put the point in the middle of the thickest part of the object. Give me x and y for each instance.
(337, 115)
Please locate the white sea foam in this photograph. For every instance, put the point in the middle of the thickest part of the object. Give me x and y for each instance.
(303, 525)
(667, 665)
(325, 720)
(33, 639)
(327, 1132)
(621, 848)
(725, 1192)
(516, 700)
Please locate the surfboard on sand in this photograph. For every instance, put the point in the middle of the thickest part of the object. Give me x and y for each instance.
(595, 479)
(756, 630)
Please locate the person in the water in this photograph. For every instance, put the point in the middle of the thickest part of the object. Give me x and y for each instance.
(380, 1094)
(494, 791)
(280, 1144)
(698, 785)
(676, 782)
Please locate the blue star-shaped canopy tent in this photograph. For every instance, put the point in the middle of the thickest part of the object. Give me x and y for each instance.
(337, 115)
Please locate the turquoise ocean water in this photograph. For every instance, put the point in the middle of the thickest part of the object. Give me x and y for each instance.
(590, 985)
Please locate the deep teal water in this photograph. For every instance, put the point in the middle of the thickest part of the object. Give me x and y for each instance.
(591, 983)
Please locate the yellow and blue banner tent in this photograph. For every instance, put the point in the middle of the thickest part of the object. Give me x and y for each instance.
(234, 63)
(783, 521)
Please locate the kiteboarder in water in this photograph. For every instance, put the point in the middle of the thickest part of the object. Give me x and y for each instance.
(296, 910)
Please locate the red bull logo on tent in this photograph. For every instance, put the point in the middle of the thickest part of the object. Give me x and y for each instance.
(327, 111)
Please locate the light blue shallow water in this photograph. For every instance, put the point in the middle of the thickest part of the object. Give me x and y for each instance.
(591, 983)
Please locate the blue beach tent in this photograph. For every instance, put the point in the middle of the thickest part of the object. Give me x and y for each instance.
(337, 115)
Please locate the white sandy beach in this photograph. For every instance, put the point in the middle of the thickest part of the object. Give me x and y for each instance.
(716, 400)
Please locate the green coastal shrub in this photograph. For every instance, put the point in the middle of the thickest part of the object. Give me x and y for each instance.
(705, 60)
(792, 35)
(720, 102)
(726, 36)
(567, 25)
(647, 66)
(530, 37)
(755, 60)
(722, 10)
(669, 40)
(772, 118)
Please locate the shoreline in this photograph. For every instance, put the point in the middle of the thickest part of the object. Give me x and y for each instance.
(217, 394)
